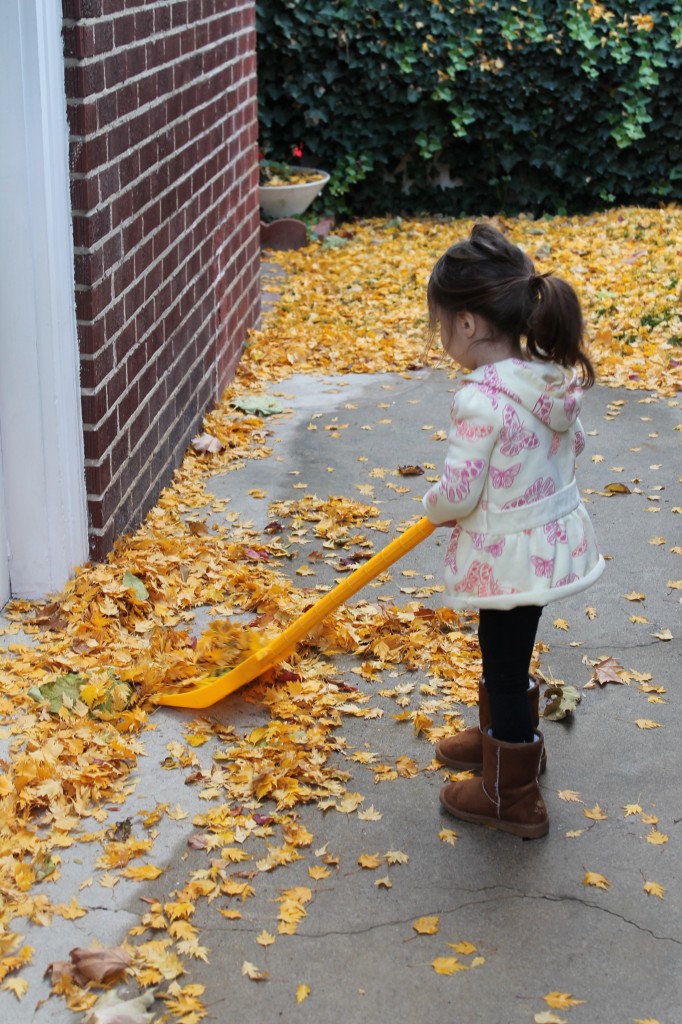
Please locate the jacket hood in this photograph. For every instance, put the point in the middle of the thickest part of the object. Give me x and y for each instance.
(544, 389)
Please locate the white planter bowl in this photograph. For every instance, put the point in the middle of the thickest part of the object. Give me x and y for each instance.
(290, 200)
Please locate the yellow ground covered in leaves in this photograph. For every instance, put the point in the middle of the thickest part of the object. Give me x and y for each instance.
(354, 304)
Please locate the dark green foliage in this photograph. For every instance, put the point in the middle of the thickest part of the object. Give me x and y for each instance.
(534, 105)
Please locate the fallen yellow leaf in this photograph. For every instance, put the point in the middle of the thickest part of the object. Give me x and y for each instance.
(426, 925)
(595, 813)
(370, 861)
(250, 970)
(302, 992)
(647, 723)
(595, 879)
(561, 1000)
(448, 965)
(654, 889)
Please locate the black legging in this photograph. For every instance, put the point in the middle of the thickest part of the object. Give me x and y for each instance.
(506, 639)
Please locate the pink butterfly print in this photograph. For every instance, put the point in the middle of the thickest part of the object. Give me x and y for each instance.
(502, 478)
(537, 490)
(542, 566)
(578, 442)
(554, 446)
(471, 432)
(514, 436)
(555, 533)
(451, 554)
(456, 480)
(481, 581)
(572, 401)
(571, 578)
(491, 385)
(543, 408)
(582, 546)
(496, 548)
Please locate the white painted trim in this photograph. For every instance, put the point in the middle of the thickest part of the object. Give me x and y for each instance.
(4, 553)
(40, 417)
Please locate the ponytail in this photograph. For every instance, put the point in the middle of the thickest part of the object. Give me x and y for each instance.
(489, 275)
(554, 329)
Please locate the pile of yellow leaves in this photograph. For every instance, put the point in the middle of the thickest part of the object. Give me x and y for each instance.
(353, 307)
(360, 306)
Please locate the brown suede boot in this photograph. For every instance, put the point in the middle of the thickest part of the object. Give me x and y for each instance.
(464, 750)
(507, 796)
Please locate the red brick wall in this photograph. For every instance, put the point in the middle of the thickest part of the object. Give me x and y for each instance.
(162, 113)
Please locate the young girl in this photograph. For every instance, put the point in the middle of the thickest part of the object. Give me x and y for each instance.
(521, 536)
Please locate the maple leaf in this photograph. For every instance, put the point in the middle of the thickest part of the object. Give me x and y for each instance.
(595, 813)
(370, 860)
(570, 795)
(465, 948)
(318, 872)
(654, 889)
(656, 838)
(426, 925)
(97, 964)
(370, 814)
(265, 938)
(647, 723)
(250, 970)
(396, 857)
(448, 835)
(561, 1000)
(598, 881)
(18, 987)
(607, 671)
(448, 965)
(560, 624)
(302, 992)
(631, 809)
(384, 883)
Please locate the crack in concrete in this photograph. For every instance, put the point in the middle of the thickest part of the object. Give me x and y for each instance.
(509, 894)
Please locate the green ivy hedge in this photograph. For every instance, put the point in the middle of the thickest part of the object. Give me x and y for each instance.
(534, 105)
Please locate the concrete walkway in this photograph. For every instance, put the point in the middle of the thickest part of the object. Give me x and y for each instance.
(533, 926)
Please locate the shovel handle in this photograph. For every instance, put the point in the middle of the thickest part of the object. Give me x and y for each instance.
(217, 687)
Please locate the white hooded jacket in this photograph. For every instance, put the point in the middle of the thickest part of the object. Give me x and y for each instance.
(522, 535)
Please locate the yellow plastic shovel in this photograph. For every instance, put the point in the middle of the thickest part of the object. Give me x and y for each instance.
(210, 689)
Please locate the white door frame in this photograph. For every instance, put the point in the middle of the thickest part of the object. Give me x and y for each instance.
(41, 429)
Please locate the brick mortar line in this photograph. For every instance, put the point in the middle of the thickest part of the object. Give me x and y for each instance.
(147, 108)
(101, 205)
(214, 282)
(166, 252)
(87, 62)
(91, 392)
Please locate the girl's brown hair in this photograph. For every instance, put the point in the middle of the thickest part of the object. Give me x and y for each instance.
(488, 275)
